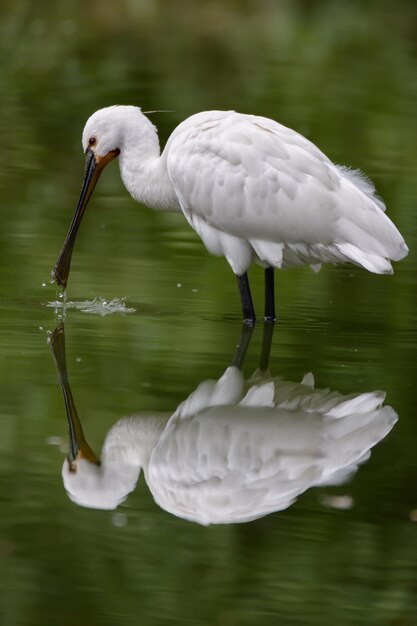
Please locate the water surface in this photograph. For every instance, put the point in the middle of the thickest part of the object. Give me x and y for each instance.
(341, 554)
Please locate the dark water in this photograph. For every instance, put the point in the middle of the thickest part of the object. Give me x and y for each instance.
(344, 75)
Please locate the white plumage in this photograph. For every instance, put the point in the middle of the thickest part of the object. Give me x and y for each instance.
(252, 189)
(235, 451)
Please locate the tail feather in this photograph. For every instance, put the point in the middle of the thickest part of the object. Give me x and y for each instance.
(371, 240)
(363, 183)
(371, 262)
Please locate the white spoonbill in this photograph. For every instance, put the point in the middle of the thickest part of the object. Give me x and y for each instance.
(251, 188)
(233, 451)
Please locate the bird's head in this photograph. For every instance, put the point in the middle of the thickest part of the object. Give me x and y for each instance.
(127, 449)
(103, 138)
(98, 486)
(105, 130)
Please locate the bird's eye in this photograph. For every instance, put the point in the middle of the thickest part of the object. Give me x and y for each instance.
(92, 142)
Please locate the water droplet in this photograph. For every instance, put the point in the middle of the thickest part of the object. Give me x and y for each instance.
(119, 520)
(54, 441)
(343, 503)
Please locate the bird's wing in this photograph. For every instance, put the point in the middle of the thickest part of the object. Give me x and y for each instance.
(250, 178)
(247, 174)
(240, 461)
(222, 465)
(226, 390)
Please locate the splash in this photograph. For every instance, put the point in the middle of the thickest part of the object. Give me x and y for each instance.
(98, 306)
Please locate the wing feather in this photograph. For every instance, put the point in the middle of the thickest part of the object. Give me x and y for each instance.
(243, 167)
(254, 179)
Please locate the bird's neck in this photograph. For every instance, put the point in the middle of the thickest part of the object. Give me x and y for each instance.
(130, 442)
(144, 171)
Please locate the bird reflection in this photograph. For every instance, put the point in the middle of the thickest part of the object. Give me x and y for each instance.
(233, 451)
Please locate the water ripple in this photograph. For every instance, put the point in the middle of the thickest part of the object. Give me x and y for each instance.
(97, 306)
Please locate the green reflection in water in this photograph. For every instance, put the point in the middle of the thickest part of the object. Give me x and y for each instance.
(234, 450)
(344, 75)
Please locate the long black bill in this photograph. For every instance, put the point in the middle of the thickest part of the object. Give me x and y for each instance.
(94, 165)
(78, 447)
(91, 175)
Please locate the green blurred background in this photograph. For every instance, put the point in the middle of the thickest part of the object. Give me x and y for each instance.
(345, 75)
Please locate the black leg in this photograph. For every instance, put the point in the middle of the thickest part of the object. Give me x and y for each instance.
(242, 345)
(269, 314)
(266, 345)
(246, 299)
